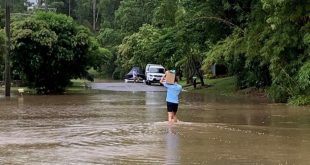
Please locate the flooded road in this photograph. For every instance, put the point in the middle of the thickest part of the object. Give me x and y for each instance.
(130, 128)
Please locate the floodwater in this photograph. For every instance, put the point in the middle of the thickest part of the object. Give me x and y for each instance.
(130, 128)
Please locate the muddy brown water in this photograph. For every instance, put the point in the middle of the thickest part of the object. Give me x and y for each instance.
(130, 128)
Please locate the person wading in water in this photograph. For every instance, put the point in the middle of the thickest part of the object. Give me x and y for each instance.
(172, 98)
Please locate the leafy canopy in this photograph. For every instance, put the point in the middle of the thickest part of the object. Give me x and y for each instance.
(48, 50)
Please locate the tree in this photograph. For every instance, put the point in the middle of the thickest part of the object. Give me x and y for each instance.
(287, 48)
(87, 11)
(2, 20)
(136, 50)
(165, 13)
(48, 50)
(270, 50)
(132, 14)
(108, 9)
(3, 50)
(101, 58)
(2, 43)
(20, 6)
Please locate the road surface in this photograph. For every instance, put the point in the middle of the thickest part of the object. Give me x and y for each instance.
(120, 86)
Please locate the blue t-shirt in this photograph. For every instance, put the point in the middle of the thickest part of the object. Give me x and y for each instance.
(173, 91)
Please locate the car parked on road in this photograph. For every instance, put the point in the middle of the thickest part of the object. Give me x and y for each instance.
(153, 73)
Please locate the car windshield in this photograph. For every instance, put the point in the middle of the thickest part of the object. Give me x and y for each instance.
(157, 70)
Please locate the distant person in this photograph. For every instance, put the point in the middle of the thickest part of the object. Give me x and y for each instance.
(172, 98)
(134, 75)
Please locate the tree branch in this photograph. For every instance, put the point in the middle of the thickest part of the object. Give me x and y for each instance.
(223, 21)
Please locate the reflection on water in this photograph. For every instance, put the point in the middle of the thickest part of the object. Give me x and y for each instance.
(20, 101)
(131, 128)
(172, 146)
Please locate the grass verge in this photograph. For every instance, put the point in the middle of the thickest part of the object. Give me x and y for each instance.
(221, 86)
(78, 86)
(227, 86)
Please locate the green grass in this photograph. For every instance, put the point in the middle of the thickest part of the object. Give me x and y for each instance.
(222, 86)
(78, 82)
(14, 90)
(77, 86)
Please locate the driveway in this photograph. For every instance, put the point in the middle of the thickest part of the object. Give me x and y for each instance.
(133, 87)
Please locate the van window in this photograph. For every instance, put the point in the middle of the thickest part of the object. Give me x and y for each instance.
(157, 70)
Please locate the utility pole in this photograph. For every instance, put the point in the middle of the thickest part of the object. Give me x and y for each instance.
(7, 75)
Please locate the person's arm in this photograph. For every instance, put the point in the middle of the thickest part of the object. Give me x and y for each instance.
(162, 79)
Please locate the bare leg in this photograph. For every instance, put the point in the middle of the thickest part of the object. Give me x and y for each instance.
(175, 119)
(170, 117)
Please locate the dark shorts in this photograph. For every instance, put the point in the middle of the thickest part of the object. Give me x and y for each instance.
(172, 107)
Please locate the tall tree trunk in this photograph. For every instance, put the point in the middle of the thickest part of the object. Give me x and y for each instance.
(46, 5)
(94, 15)
(7, 75)
(200, 75)
(97, 15)
(40, 3)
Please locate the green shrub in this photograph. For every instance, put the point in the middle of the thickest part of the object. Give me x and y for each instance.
(299, 100)
(48, 50)
(278, 94)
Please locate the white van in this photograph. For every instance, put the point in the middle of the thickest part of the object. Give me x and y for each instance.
(153, 73)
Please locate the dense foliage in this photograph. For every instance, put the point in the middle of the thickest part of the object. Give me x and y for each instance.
(48, 50)
(272, 50)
